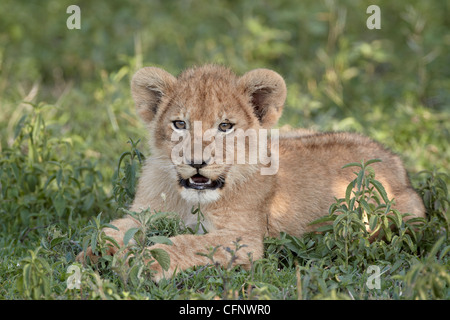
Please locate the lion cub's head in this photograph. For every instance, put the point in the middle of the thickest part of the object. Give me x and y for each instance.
(192, 117)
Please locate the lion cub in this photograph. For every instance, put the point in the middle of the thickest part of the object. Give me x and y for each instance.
(209, 137)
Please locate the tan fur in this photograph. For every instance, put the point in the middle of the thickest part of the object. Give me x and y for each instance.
(250, 205)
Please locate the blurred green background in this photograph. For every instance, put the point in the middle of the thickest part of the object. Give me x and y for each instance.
(66, 111)
(391, 84)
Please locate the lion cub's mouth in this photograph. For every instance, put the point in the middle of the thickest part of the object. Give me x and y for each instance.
(200, 182)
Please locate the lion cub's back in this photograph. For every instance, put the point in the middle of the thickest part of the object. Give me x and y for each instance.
(310, 175)
(322, 154)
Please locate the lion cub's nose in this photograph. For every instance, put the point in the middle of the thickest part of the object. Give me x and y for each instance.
(198, 165)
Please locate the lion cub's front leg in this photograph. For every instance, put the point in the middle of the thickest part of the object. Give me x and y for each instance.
(191, 250)
(122, 225)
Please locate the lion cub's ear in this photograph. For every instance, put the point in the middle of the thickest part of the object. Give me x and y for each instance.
(267, 92)
(148, 86)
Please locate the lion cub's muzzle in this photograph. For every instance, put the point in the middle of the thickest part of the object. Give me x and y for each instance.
(201, 179)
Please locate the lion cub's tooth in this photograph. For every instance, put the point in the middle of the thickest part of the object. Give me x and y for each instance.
(191, 181)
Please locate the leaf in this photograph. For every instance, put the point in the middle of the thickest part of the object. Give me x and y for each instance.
(352, 164)
(97, 221)
(442, 184)
(108, 225)
(386, 228)
(129, 235)
(162, 257)
(44, 264)
(418, 220)
(50, 179)
(436, 247)
(32, 153)
(85, 243)
(108, 258)
(135, 275)
(55, 241)
(122, 156)
(380, 190)
(130, 177)
(409, 242)
(348, 191)
(338, 220)
(373, 222)
(59, 203)
(37, 127)
(19, 126)
(158, 215)
(396, 265)
(161, 239)
(94, 242)
(89, 201)
(112, 240)
(359, 180)
(26, 276)
(32, 182)
(351, 205)
(324, 228)
(323, 219)
(365, 206)
(359, 223)
(59, 176)
(396, 218)
(444, 252)
(371, 161)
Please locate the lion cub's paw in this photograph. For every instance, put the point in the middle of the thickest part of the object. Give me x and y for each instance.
(81, 257)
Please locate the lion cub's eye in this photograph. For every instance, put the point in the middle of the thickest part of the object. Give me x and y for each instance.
(179, 124)
(225, 126)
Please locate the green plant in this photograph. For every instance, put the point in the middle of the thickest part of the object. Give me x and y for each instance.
(125, 178)
(138, 241)
(361, 230)
(99, 242)
(42, 180)
(34, 279)
(364, 215)
(228, 272)
(429, 279)
(433, 189)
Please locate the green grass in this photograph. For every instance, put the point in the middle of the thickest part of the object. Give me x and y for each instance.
(66, 168)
